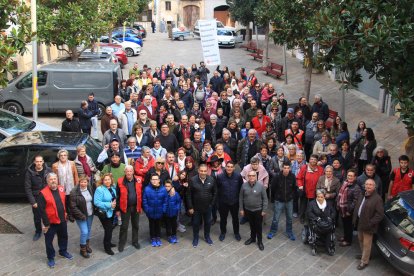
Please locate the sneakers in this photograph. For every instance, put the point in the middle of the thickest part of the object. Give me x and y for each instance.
(154, 243)
(158, 241)
(174, 239)
(295, 215)
(37, 236)
(181, 228)
(51, 263)
(66, 255)
(291, 236)
(170, 239)
(195, 242)
(208, 240)
(222, 237)
(237, 237)
(271, 235)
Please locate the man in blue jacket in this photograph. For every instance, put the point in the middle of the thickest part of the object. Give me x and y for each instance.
(228, 186)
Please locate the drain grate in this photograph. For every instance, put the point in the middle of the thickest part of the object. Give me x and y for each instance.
(8, 228)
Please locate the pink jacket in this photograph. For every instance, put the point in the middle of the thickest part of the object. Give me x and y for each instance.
(263, 175)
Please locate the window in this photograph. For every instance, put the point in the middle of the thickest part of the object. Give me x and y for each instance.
(167, 5)
(13, 158)
(26, 82)
(82, 80)
(49, 154)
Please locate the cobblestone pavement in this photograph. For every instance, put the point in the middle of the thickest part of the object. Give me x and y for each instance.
(281, 256)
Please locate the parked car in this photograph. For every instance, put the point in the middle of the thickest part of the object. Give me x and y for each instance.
(112, 50)
(395, 237)
(86, 56)
(62, 86)
(129, 30)
(12, 123)
(197, 30)
(128, 37)
(130, 48)
(17, 153)
(141, 29)
(180, 33)
(228, 38)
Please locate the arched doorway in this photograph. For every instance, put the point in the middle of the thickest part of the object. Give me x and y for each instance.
(222, 13)
(191, 15)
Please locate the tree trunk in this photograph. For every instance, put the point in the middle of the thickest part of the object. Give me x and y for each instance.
(343, 91)
(266, 50)
(74, 53)
(110, 36)
(248, 37)
(308, 80)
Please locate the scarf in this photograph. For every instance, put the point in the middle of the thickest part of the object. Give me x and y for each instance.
(145, 160)
(85, 165)
(66, 176)
(181, 163)
(156, 152)
(343, 198)
(328, 183)
(321, 206)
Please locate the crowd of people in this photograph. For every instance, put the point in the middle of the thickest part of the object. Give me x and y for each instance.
(178, 144)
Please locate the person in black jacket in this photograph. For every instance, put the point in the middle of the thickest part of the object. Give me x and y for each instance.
(93, 107)
(81, 208)
(200, 196)
(85, 116)
(34, 182)
(320, 107)
(228, 187)
(283, 188)
(70, 124)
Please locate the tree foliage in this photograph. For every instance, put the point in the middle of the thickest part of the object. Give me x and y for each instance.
(242, 10)
(81, 22)
(15, 17)
(379, 37)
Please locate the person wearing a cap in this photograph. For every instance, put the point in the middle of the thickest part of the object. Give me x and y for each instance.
(115, 167)
(108, 150)
(158, 169)
(285, 124)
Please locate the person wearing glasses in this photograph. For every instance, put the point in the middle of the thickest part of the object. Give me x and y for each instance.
(143, 120)
(253, 204)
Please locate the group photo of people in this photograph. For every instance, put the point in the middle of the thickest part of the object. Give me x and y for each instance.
(186, 147)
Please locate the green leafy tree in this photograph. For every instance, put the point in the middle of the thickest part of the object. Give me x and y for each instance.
(15, 17)
(379, 37)
(243, 12)
(71, 23)
(295, 25)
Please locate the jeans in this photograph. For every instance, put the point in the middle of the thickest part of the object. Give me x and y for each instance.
(94, 121)
(131, 213)
(61, 230)
(107, 226)
(171, 225)
(278, 208)
(85, 229)
(155, 228)
(37, 219)
(255, 220)
(206, 216)
(224, 210)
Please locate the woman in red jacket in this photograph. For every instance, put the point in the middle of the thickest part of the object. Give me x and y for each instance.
(144, 163)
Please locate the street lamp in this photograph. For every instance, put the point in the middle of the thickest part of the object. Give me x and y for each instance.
(34, 58)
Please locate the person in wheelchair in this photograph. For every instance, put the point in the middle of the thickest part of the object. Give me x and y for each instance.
(321, 217)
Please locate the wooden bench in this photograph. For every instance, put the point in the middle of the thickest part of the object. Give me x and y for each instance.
(331, 119)
(258, 54)
(251, 47)
(274, 69)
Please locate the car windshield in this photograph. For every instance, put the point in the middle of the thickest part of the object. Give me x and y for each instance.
(401, 214)
(224, 32)
(93, 149)
(13, 123)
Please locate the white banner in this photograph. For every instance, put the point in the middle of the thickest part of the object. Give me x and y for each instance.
(209, 42)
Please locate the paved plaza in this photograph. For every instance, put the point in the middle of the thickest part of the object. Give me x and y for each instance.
(21, 256)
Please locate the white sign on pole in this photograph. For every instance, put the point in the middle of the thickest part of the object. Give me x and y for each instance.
(209, 42)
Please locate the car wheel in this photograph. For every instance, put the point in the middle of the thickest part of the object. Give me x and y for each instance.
(181, 38)
(101, 109)
(129, 52)
(14, 107)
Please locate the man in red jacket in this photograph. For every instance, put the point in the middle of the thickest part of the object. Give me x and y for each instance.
(402, 178)
(129, 205)
(259, 122)
(307, 179)
(51, 203)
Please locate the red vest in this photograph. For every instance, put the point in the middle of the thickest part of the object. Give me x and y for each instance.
(51, 210)
(297, 138)
(123, 194)
(404, 184)
(176, 168)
